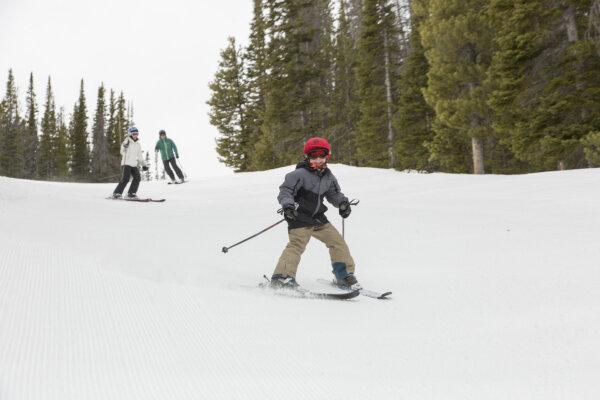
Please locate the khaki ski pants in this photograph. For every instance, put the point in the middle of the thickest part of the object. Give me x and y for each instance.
(299, 238)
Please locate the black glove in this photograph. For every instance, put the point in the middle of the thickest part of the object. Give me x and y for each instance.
(345, 210)
(144, 168)
(290, 213)
(176, 155)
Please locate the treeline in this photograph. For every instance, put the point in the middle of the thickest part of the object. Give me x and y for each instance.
(481, 86)
(54, 146)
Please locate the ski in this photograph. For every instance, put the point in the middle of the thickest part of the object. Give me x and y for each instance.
(139, 200)
(362, 291)
(300, 292)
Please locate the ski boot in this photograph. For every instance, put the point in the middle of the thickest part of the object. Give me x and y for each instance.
(279, 281)
(116, 195)
(132, 196)
(349, 282)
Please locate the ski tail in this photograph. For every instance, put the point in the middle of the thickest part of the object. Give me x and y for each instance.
(362, 291)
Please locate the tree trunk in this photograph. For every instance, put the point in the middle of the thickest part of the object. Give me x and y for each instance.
(594, 24)
(478, 166)
(571, 25)
(388, 93)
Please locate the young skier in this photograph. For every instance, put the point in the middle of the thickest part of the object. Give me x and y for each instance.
(132, 157)
(301, 196)
(168, 153)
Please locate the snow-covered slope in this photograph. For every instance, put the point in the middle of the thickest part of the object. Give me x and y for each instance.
(496, 283)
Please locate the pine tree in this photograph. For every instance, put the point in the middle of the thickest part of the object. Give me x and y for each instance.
(30, 137)
(46, 155)
(457, 37)
(377, 77)
(61, 146)
(354, 12)
(344, 102)
(414, 116)
(148, 174)
(265, 154)
(404, 18)
(100, 152)
(78, 139)
(113, 136)
(593, 31)
(254, 59)
(2, 113)
(11, 160)
(227, 109)
(129, 115)
(117, 129)
(547, 79)
(121, 122)
(299, 80)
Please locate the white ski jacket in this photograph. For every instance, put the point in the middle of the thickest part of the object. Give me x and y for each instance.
(132, 153)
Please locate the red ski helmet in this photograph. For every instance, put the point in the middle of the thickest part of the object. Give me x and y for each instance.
(317, 143)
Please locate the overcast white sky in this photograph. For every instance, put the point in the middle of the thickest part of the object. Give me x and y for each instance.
(161, 53)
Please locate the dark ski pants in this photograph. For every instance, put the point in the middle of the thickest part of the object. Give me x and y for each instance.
(128, 171)
(298, 239)
(175, 167)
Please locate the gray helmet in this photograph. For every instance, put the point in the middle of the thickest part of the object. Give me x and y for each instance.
(133, 130)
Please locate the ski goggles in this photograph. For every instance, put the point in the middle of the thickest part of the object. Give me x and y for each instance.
(320, 153)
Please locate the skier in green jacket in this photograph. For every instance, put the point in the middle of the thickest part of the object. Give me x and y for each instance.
(168, 153)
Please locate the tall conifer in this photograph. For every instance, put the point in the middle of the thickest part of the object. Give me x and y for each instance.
(228, 109)
(30, 137)
(457, 37)
(377, 78)
(299, 82)
(255, 66)
(414, 116)
(61, 146)
(78, 139)
(546, 76)
(344, 108)
(113, 135)
(100, 151)
(46, 155)
(11, 161)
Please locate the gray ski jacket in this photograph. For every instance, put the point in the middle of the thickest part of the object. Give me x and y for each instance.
(307, 188)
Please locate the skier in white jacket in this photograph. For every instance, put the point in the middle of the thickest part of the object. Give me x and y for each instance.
(132, 158)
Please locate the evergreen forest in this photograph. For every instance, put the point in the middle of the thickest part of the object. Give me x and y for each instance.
(465, 86)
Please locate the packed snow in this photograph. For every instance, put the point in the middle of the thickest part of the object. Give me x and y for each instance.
(495, 281)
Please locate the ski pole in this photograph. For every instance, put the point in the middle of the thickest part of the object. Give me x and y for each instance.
(353, 202)
(225, 249)
(181, 167)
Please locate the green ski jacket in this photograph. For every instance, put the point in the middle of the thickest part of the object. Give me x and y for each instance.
(167, 149)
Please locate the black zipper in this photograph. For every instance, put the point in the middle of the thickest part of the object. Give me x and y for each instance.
(318, 197)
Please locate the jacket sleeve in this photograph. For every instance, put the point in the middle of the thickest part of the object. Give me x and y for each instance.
(334, 194)
(140, 157)
(174, 148)
(156, 148)
(124, 146)
(289, 188)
